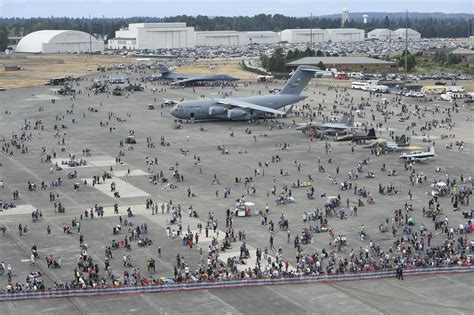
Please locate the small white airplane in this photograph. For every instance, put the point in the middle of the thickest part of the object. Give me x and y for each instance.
(171, 102)
(418, 155)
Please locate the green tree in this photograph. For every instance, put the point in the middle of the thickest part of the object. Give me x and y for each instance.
(3, 38)
(440, 56)
(452, 59)
(386, 22)
(321, 65)
(264, 60)
(276, 63)
(411, 61)
(319, 53)
(290, 55)
(309, 52)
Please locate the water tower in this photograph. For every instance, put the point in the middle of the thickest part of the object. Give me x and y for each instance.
(344, 17)
(365, 17)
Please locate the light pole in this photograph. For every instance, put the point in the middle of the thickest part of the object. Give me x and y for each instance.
(406, 45)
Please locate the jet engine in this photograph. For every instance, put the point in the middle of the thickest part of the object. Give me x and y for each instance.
(216, 110)
(236, 113)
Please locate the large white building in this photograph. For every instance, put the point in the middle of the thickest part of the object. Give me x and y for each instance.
(140, 36)
(303, 35)
(345, 34)
(58, 41)
(401, 33)
(221, 38)
(153, 36)
(386, 34)
(381, 34)
(320, 35)
(263, 37)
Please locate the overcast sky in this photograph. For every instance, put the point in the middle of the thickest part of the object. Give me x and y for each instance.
(160, 8)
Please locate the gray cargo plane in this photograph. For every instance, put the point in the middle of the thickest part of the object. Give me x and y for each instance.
(248, 107)
(189, 79)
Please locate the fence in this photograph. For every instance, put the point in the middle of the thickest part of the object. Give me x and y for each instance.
(226, 284)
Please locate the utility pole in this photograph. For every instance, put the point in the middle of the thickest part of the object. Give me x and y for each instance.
(90, 37)
(389, 34)
(406, 45)
(469, 27)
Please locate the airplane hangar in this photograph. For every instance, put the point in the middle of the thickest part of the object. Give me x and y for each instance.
(318, 35)
(221, 38)
(153, 36)
(139, 36)
(58, 41)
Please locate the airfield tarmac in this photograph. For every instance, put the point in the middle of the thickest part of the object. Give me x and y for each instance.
(433, 294)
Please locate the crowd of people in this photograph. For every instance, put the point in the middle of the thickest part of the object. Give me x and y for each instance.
(411, 245)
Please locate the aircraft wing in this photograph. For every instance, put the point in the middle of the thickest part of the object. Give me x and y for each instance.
(247, 105)
(186, 81)
(331, 130)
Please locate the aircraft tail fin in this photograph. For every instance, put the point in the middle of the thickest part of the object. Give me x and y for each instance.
(432, 150)
(344, 119)
(290, 110)
(299, 80)
(350, 122)
(371, 132)
(164, 69)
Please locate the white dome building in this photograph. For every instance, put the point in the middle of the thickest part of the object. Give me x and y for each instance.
(58, 41)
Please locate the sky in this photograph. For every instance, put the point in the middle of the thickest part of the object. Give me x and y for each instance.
(161, 8)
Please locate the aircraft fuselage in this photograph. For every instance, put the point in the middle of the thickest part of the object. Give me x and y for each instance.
(210, 109)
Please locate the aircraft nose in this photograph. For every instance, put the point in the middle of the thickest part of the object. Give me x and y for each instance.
(173, 111)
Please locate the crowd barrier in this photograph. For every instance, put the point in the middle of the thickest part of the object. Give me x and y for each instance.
(226, 284)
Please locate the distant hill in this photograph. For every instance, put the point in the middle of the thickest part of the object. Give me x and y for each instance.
(397, 15)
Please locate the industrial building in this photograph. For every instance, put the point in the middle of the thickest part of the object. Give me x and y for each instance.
(381, 34)
(320, 35)
(345, 34)
(466, 56)
(141, 36)
(305, 35)
(221, 38)
(122, 43)
(347, 64)
(263, 37)
(386, 34)
(153, 36)
(401, 33)
(58, 41)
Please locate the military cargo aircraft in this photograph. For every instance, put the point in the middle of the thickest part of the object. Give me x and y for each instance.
(190, 79)
(247, 108)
